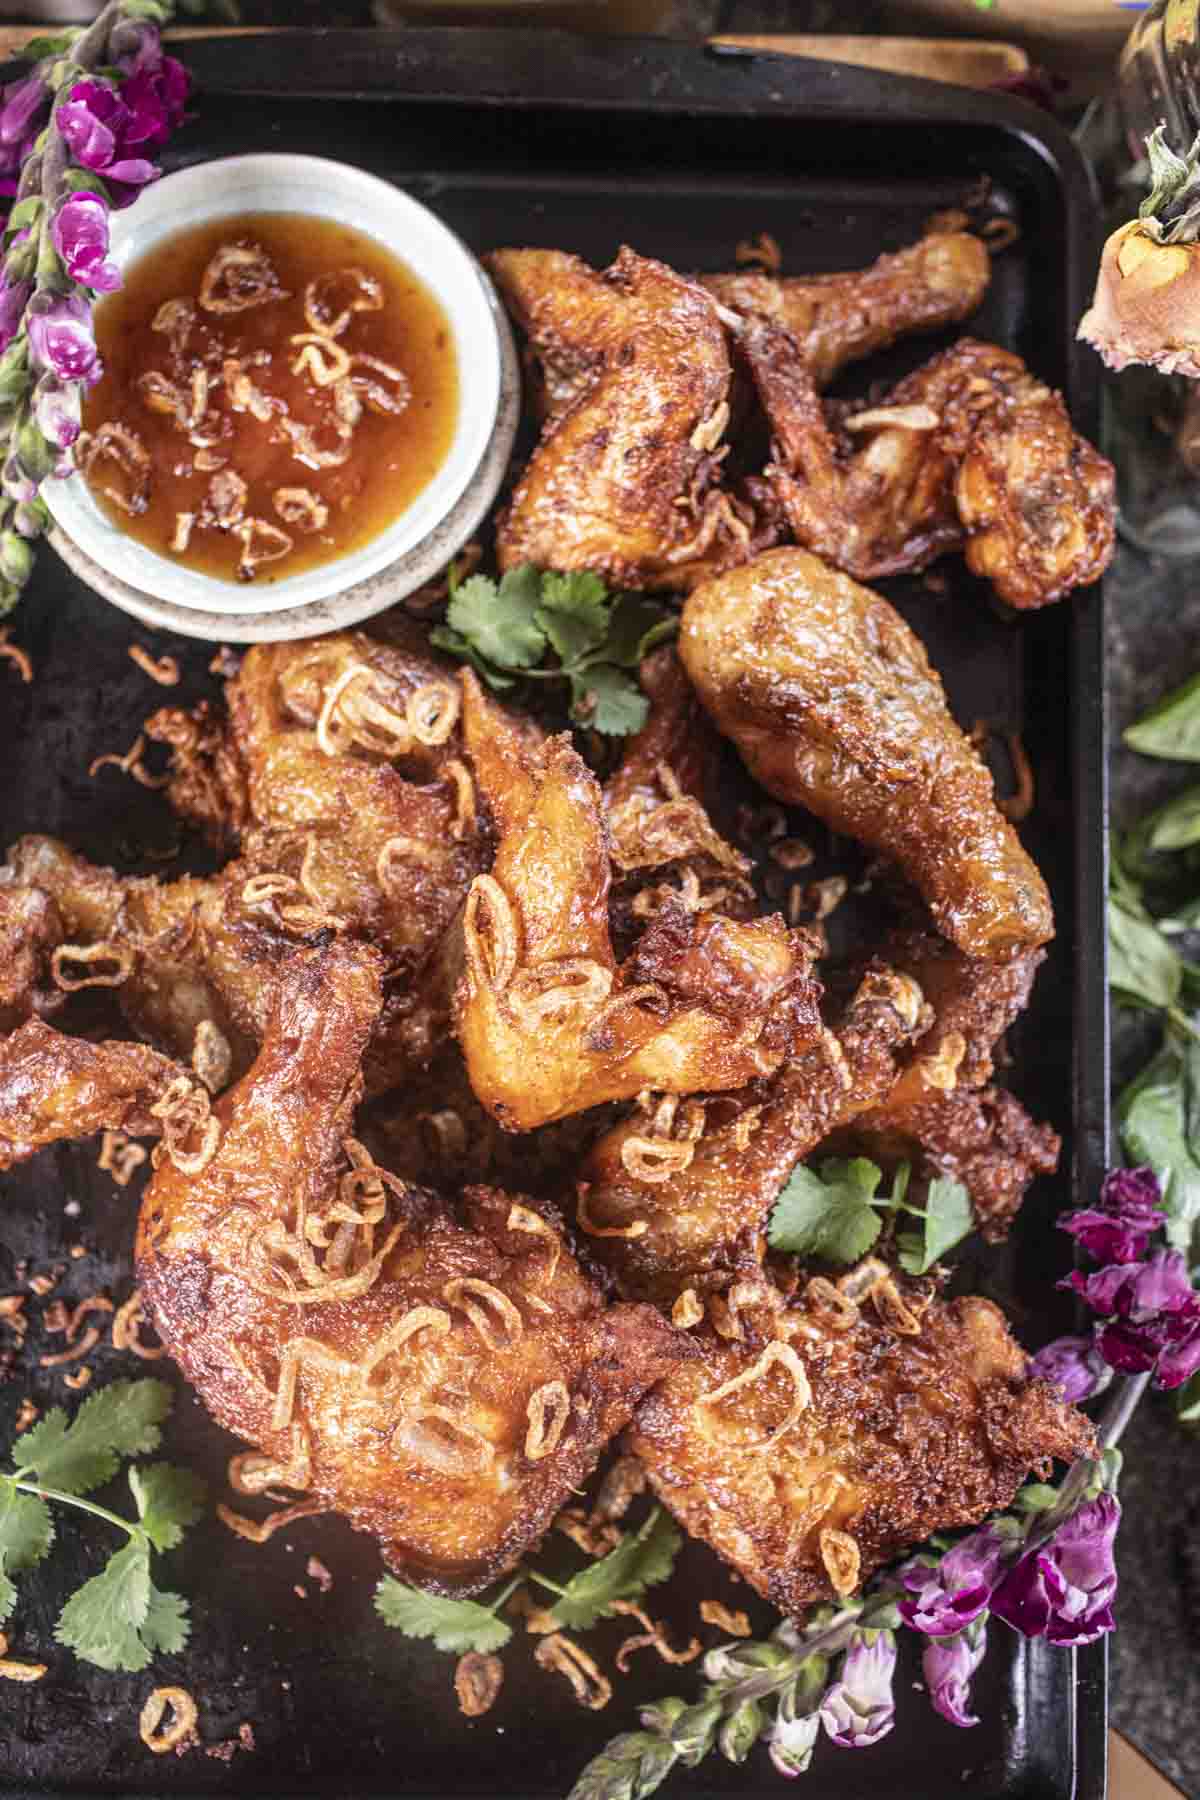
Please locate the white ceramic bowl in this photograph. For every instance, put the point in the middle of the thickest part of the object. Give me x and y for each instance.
(167, 591)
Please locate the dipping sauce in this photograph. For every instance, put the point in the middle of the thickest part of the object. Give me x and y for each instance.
(276, 390)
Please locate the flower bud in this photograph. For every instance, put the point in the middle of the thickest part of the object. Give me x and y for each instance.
(15, 482)
(14, 373)
(741, 1731)
(16, 558)
(35, 455)
(31, 518)
(57, 410)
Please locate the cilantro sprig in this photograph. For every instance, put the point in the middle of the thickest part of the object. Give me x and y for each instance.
(836, 1213)
(507, 629)
(118, 1619)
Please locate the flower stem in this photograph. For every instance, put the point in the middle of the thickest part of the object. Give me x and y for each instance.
(89, 1506)
(545, 1581)
(495, 1605)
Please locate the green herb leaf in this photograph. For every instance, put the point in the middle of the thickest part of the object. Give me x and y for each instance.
(26, 1534)
(102, 1621)
(169, 1499)
(948, 1220)
(829, 1213)
(1182, 918)
(640, 1560)
(499, 622)
(121, 1420)
(165, 1629)
(1152, 1119)
(637, 626)
(38, 48)
(574, 613)
(1177, 824)
(1187, 1401)
(1172, 728)
(1143, 967)
(608, 700)
(455, 1625)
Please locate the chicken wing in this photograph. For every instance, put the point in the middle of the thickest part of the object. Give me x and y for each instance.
(30, 929)
(971, 450)
(624, 479)
(814, 1449)
(838, 319)
(445, 1385)
(54, 1087)
(833, 704)
(548, 1023)
(678, 1197)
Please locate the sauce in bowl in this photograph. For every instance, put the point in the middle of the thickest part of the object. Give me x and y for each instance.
(277, 390)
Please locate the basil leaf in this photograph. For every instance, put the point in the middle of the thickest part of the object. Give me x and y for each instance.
(1143, 967)
(1172, 728)
(1177, 824)
(1152, 1121)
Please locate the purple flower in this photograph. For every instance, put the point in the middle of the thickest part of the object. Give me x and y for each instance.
(791, 1737)
(943, 1598)
(56, 410)
(1075, 1367)
(859, 1709)
(22, 102)
(80, 234)
(60, 336)
(155, 99)
(1063, 1591)
(949, 1665)
(1108, 1239)
(1136, 1291)
(96, 125)
(1181, 1359)
(13, 297)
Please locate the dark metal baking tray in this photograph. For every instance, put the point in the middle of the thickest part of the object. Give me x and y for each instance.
(532, 137)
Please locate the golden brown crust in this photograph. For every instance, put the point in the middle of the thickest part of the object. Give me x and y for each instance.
(54, 1087)
(833, 704)
(903, 1435)
(30, 930)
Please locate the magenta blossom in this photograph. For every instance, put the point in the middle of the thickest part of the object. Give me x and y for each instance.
(95, 122)
(80, 234)
(1063, 1591)
(23, 100)
(56, 411)
(155, 98)
(1119, 1232)
(859, 1708)
(1169, 1344)
(1074, 1366)
(60, 336)
(1136, 1291)
(942, 1599)
(949, 1664)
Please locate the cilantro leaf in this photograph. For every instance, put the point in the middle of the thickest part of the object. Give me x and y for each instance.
(26, 1534)
(636, 627)
(574, 613)
(102, 1621)
(121, 1420)
(442, 638)
(640, 1560)
(499, 622)
(455, 1625)
(608, 700)
(169, 1499)
(166, 1627)
(830, 1213)
(948, 1219)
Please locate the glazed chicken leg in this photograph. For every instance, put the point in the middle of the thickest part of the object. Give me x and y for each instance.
(446, 1385)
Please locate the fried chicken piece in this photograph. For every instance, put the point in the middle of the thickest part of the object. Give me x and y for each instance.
(623, 481)
(969, 451)
(834, 705)
(839, 319)
(30, 928)
(207, 782)
(817, 1448)
(548, 1022)
(445, 1385)
(668, 1212)
(54, 1087)
(982, 1137)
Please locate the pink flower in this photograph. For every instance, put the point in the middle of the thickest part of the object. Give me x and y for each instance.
(948, 1665)
(859, 1708)
(1075, 1367)
(80, 235)
(941, 1599)
(61, 338)
(1063, 1591)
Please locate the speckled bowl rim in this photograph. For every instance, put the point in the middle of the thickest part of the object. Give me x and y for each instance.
(372, 595)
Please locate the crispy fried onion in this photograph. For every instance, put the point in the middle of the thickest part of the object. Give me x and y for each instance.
(299, 506)
(775, 1352)
(181, 537)
(444, 1441)
(161, 395)
(212, 1057)
(114, 443)
(185, 1109)
(300, 914)
(349, 717)
(592, 1536)
(163, 669)
(365, 1369)
(305, 448)
(477, 1681)
(126, 1329)
(319, 356)
(548, 1410)
(653, 1636)
(763, 250)
(244, 395)
(174, 319)
(635, 1229)
(14, 654)
(687, 1310)
(557, 991)
(562, 1654)
(18, 1671)
(119, 1157)
(253, 1473)
(261, 543)
(523, 1218)
(154, 1734)
(119, 959)
(893, 1310)
(432, 710)
(491, 958)
(842, 1559)
(464, 796)
(490, 1311)
(867, 1274)
(751, 1294)
(87, 1342)
(619, 1488)
(237, 277)
(259, 1531)
(597, 1035)
(351, 1249)
(655, 1159)
(399, 856)
(677, 829)
(332, 299)
(715, 1612)
(833, 1309)
(894, 418)
(129, 764)
(391, 399)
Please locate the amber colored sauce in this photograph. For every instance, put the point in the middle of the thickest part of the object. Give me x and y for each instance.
(392, 457)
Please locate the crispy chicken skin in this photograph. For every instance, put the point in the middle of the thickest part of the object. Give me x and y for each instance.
(446, 1385)
(969, 451)
(624, 479)
(833, 704)
(663, 1229)
(839, 319)
(860, 1431)
(30, 930)
(548, 1022)
(54, 1087)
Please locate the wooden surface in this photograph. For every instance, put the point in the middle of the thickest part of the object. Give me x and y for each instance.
(1131, 1777)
